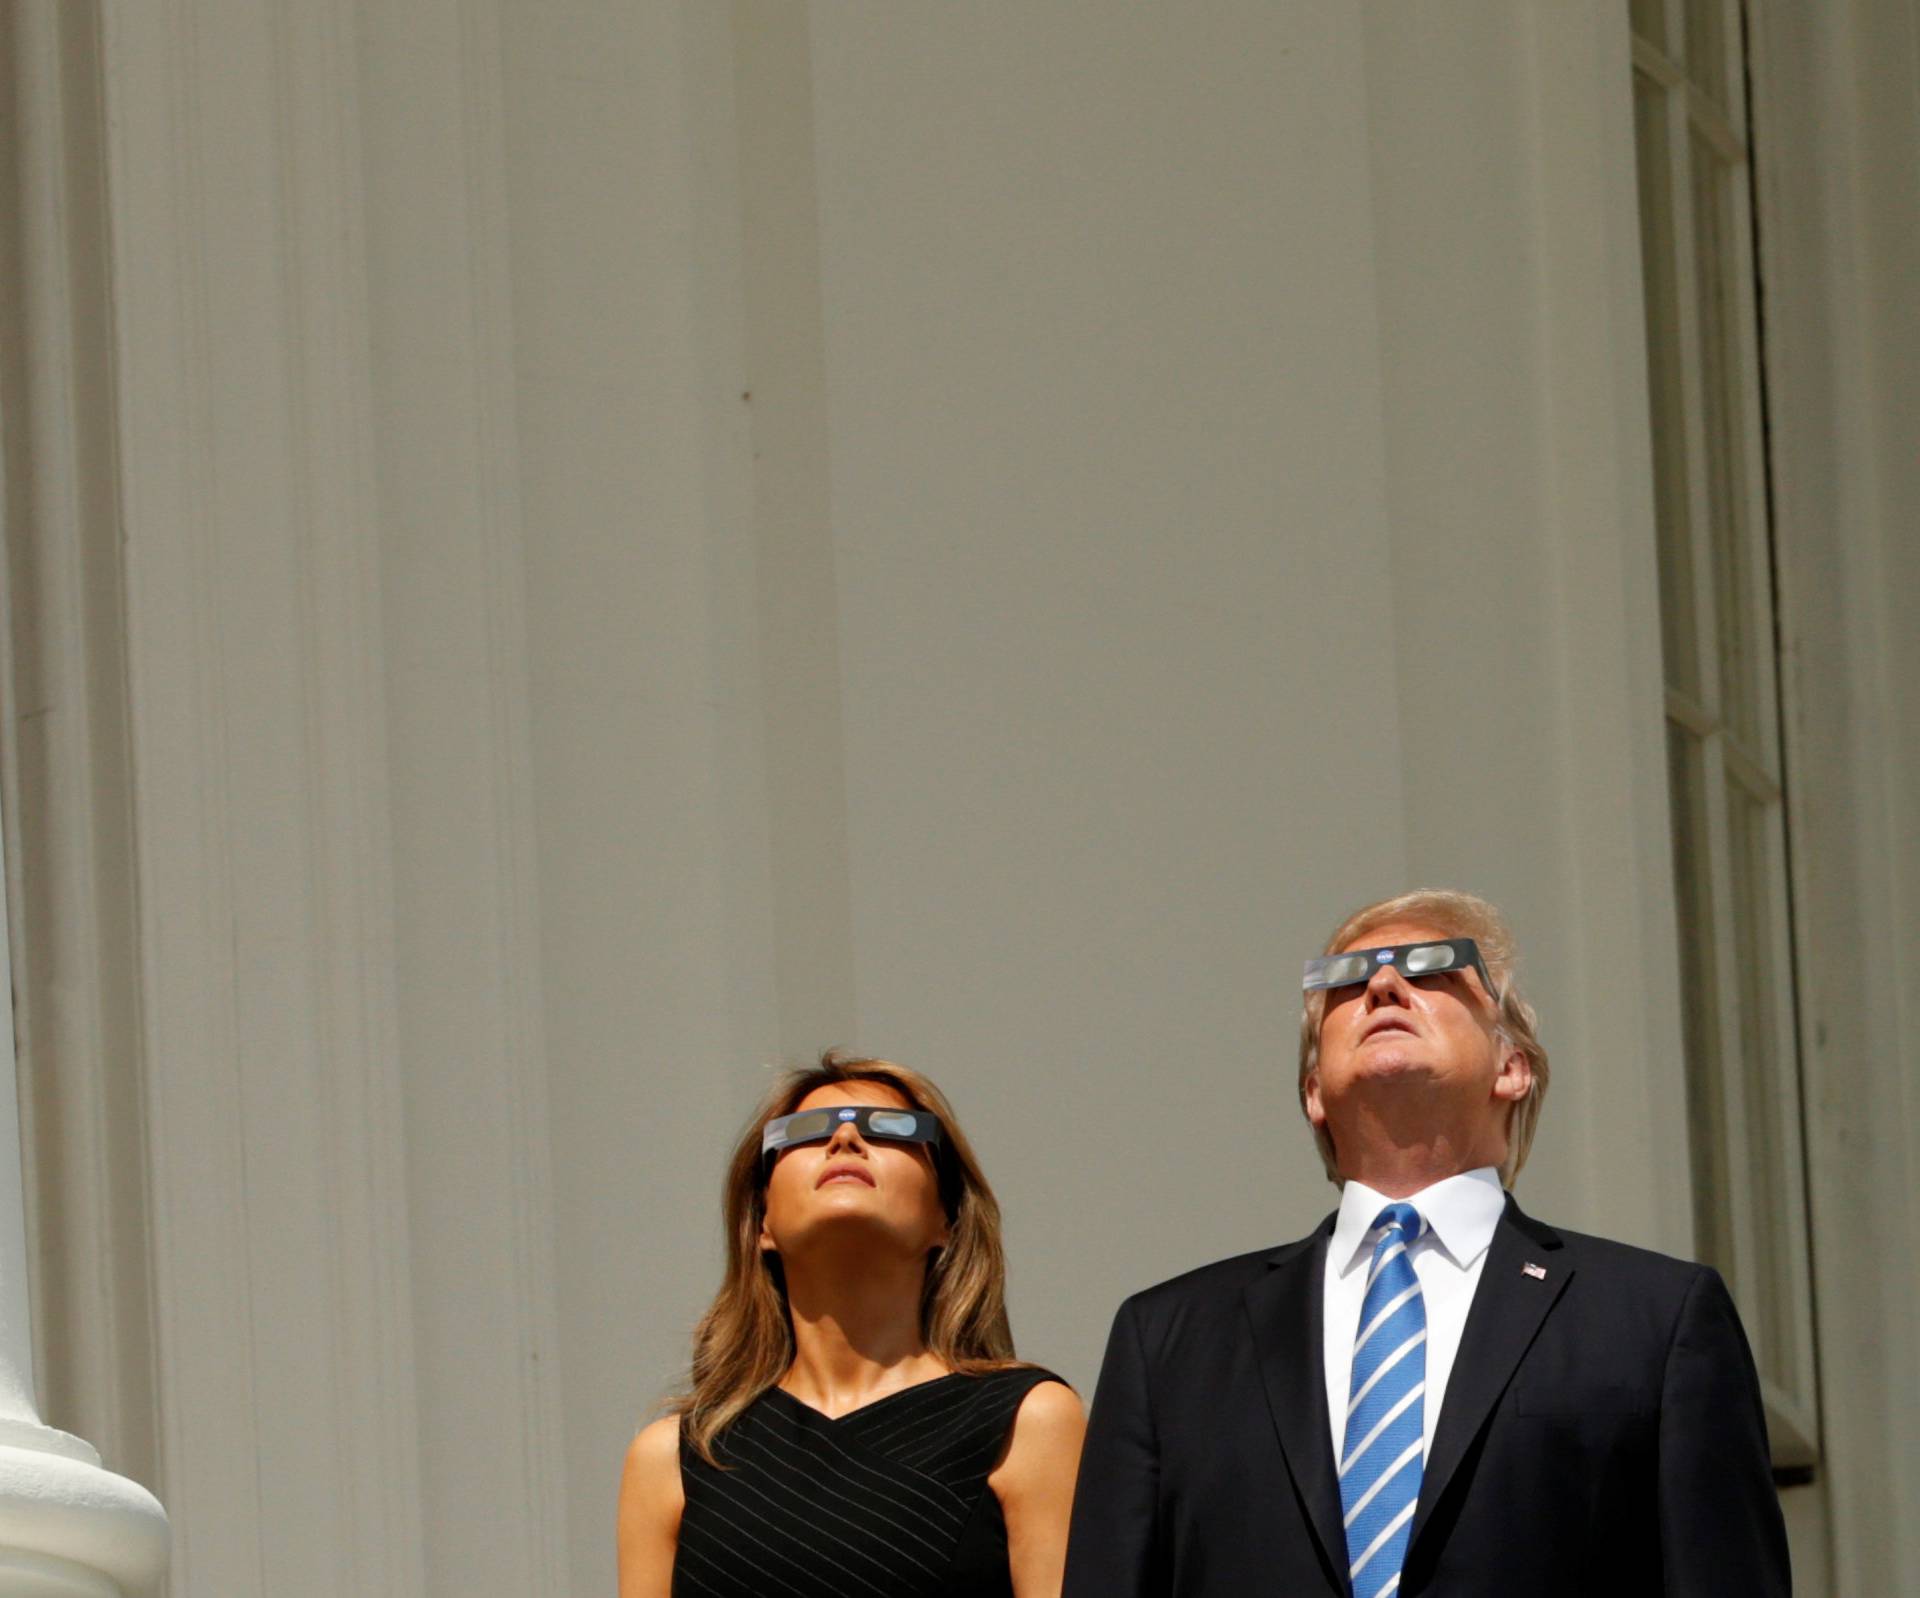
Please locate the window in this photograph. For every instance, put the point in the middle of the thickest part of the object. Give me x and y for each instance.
(1720, 658)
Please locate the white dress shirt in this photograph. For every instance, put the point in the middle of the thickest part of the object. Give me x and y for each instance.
(1461, 1214)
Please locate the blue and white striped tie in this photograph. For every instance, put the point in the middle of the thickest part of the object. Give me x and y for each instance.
(1381, 1456)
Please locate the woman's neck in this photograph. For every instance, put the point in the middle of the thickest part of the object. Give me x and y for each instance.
(856, 1332)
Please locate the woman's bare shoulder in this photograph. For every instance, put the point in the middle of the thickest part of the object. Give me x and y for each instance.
(1045, 1438)
(651, 1502)
(1052, 1402)
(1051, 1414)
(656, 1445)
(652, 1476)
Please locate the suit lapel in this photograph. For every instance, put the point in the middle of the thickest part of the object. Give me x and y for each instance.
(1284, 1311)
(1509, 1304)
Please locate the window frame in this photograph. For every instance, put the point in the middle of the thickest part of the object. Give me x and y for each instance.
(1759, 1236)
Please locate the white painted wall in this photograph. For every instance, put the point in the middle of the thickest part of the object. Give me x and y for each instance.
(1100, 515)
(664, 537)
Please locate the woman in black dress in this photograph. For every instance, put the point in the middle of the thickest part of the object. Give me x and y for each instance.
(857, 1423)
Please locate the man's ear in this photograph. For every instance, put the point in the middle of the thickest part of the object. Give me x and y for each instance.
(1515, 1080)
(1316, 1111)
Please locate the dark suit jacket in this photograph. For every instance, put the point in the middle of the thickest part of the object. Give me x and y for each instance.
(1601, 1433)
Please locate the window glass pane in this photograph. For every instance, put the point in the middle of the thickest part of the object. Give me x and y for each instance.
(1769, 1308)
(1699, 1000)
(1706, 49)
(1648, 18)
(1677, 632)
(1727, 532)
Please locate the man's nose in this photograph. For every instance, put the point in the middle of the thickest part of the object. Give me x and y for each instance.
(1386, 985)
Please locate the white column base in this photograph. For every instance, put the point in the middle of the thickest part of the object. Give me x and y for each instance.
(68, 1528)
(37, 1576)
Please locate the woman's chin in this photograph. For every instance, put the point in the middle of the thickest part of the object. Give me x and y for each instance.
(839, 1225)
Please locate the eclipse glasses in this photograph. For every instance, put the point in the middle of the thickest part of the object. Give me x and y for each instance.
(1410, 959)
(889, 1123)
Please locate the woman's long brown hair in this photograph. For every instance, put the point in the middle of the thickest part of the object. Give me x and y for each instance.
(744, 1343)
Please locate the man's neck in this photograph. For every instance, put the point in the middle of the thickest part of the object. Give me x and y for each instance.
(1398, 1148)
(1402, 1172)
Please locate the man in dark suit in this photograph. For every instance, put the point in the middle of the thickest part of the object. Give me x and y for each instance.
(1433, 1393)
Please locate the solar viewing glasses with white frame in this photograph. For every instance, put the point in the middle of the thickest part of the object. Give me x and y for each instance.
(1410, 959)
(887, 1122)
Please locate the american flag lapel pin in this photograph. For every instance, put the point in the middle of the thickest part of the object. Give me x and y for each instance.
(1537, 1272)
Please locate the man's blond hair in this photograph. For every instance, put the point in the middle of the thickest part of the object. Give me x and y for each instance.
(1453, 915)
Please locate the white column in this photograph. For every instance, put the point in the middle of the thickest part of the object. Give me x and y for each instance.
(68, 1529)
(272, 1089)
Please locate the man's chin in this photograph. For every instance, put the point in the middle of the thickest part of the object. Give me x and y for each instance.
(1386, 1068)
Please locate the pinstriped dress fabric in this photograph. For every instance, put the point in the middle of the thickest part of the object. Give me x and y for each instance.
(889, 1501)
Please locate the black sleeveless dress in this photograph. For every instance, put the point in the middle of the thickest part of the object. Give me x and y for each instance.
(889, 1501)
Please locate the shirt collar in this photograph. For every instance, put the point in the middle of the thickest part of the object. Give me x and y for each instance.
(1461, 1213)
